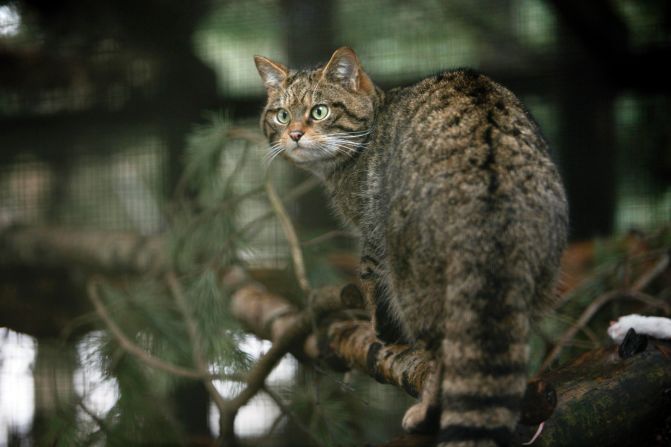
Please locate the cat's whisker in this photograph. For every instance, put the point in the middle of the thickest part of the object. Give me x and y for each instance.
(342, 137)
(341, 142)
(345, 149)
(350, 134)
(357, 131)
(346, 144)
(271, 154)
(275, 150)
(274, 156)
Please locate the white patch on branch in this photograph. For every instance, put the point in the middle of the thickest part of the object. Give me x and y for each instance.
(657, 327)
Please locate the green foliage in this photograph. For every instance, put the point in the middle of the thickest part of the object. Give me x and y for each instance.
(206, 235)
(617, 264)
(203, 232)
(327, 409)
(142, 414)
(203, 240)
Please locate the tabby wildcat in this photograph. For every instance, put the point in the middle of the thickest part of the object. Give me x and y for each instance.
(462, 217)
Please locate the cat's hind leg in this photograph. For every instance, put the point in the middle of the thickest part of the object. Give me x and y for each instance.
(424, 416)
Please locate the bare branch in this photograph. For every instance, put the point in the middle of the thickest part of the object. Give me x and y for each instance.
(296, 192)
(256, 378)
(646, 278)
(93, 250)
(343, 344)
(290, 234)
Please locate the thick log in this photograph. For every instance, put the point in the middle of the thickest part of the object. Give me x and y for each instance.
(601, 399)
(606, 400)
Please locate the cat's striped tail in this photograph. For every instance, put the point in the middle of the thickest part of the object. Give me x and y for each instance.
(485, 354)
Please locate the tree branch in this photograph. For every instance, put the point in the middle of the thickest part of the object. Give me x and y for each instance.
(331, 330)
(102, 251)
(587, 386)
(290, 234)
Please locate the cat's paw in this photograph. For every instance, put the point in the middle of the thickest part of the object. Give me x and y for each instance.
(413, 419)
(656, 327)
(421, 418)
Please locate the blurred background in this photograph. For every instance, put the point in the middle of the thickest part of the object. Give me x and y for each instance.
(98, 100)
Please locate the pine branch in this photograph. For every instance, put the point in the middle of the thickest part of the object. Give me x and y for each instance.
(196, 345)
(128, 345)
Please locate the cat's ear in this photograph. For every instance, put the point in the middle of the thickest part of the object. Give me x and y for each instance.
(344, 67)
(272, 73)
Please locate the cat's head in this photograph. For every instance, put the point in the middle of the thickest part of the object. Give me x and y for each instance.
(318, 117)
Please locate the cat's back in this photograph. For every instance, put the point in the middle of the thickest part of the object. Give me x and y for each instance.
(460, 126)
(459, 110)
(460, 150)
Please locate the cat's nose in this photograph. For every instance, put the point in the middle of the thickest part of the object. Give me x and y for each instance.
(295, 135)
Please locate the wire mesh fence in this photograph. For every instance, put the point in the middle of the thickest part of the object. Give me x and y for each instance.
(93, 123)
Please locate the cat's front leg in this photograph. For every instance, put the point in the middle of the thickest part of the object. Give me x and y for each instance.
(377, 298)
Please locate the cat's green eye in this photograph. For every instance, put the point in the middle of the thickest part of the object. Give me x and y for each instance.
(282, 116)
(319, 112)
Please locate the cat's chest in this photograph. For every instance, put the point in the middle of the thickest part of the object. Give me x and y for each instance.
(350, 190)
(346, 193)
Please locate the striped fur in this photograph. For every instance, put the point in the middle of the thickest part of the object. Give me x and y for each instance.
(462, 217)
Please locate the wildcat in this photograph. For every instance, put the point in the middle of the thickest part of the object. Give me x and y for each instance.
(462, 217)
